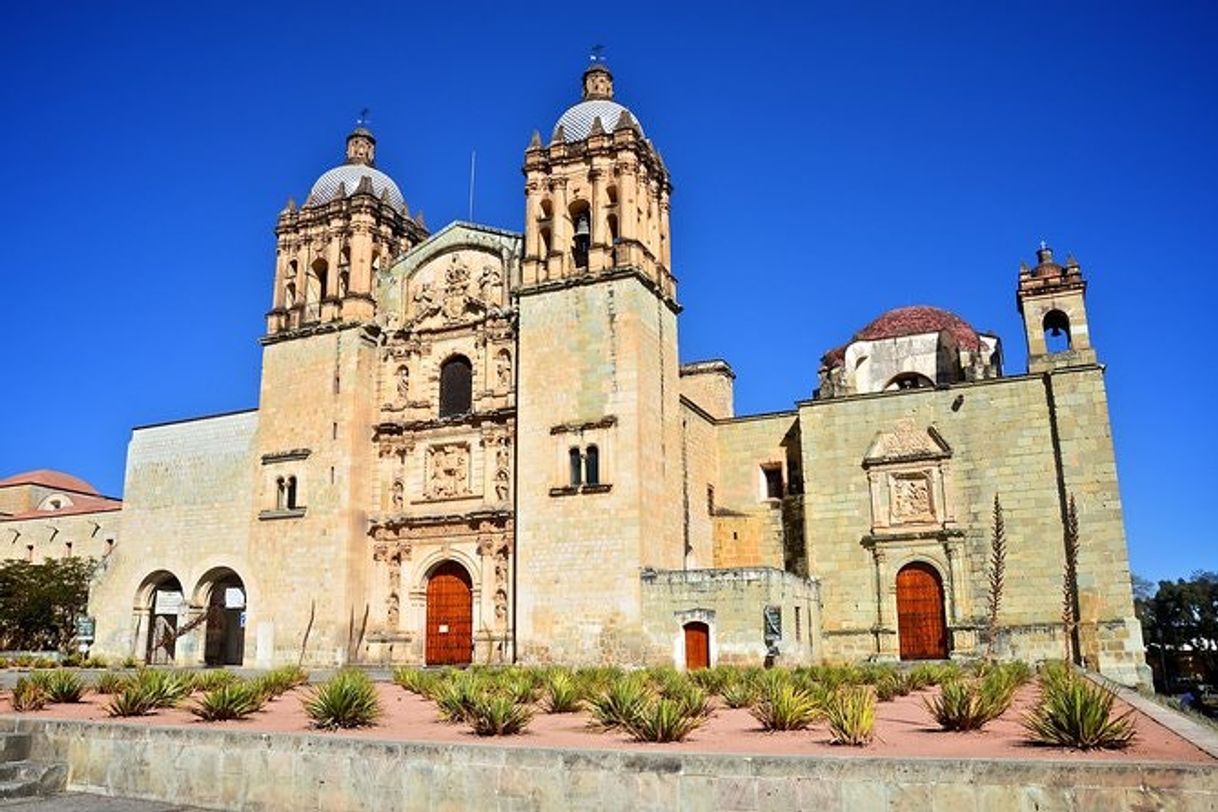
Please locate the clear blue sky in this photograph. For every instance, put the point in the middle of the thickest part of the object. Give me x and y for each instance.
(830, 162)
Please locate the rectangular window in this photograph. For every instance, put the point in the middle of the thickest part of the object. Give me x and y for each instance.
(773, 481)
(710, 500)
(798, 625)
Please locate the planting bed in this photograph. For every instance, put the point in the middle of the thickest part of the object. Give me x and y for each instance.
(903, 728)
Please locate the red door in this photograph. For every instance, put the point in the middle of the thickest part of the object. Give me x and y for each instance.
(450, 616)
(697, 646)
(921, 624)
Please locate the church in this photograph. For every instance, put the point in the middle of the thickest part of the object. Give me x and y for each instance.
(482, 446)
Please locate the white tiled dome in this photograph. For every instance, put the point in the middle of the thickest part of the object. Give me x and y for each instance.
(576, 123)
(349, 175)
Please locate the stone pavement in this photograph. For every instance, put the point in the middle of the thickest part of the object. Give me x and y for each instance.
(80, 802)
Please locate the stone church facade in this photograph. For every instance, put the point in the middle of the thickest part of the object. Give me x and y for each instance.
(476, 445)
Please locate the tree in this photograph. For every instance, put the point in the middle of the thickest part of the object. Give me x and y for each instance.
(1180, 626)
(997, 574)
(40, 603)
(1070, 582)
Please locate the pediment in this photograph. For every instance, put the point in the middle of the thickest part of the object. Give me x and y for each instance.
(906, 442)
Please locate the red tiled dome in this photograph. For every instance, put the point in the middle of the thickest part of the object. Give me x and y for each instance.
(907, 321)
(50, 479)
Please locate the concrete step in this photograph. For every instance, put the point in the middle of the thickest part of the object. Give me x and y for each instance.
(14, 746)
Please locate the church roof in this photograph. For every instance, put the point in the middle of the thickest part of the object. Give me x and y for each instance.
(47, 478)
(348, 176)
(576, 122)
(908, 321)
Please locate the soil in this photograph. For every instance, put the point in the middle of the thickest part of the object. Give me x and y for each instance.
(903, 728)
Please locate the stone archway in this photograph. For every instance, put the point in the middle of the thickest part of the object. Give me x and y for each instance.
(222, 594)
(921, 619)
(158, 604)
(450, 615)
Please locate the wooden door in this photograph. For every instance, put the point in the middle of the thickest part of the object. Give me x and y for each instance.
(697, 646)
(921, 623)
(450, 616)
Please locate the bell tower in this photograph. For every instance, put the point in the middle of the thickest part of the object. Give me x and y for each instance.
(1051, 301)
(597, 195)
(328, 251)
(599, 423)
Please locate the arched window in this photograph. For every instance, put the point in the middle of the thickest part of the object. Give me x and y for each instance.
(575, 463)
(544, 247)
(1057, 331)
(909, 380)
(456, 386)
(581, 223)
(592, 465)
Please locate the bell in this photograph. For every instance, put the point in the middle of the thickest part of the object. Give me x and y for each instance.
(581, 226)
(1055, 332)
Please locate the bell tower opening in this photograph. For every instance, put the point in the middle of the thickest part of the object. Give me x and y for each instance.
(1051, 298)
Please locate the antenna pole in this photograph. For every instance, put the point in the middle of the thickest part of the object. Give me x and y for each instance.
(473, 162)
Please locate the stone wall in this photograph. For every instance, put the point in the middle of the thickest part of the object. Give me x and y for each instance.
(731, 603)
(232, 770)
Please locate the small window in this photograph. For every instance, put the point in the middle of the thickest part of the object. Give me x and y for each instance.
(456, 386)
(290, 493)
(909, 380)
(710, 500)
(281, 493)
(798, 626)
(773, 481)
(575, 464)
(592, 466)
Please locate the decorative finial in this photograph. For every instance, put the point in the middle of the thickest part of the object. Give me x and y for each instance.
(362, 121)
(1043, 245)
(598, 54)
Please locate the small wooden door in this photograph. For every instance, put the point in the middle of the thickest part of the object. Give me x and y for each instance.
(697, 646)
(921, 623)
(450, 616)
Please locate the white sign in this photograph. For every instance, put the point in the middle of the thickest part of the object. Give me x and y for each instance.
(234, 598)
(443, 628)
(166, 602)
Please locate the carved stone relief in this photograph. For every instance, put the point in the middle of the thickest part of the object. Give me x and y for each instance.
(447, 471)
(910, 498)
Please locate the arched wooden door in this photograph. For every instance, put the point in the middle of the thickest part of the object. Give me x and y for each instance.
(697, 646)
(450, 616)
(921, 622)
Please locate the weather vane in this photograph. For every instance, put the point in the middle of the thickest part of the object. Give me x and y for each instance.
(598, 53)
(363, 117)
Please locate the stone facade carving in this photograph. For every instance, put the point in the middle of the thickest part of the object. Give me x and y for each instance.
(910, 498)
(447, 471)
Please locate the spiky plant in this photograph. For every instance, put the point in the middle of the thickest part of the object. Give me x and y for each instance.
(234, 700)
(621, 703)
(417, 681)
(346, 700)
(29, 695)
(455, 698)
(851, 715)
(498, 715)
(135, 699)
(109, 682)
(997, 575)
(211, 680)
(278, 681)
(165, 689)
(785, 707)
(664, 720)
(970, 704)
(741, 693)
(63, 686)
(1075, 712)
(563, 693)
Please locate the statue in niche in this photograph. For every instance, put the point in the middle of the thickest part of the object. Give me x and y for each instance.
(503, 369)
(500, 606)
(488, 285)
(456, 289)
(501, 567)
(501, 484)
(393, 609)
(403, 383)
(501, 453)
(398, 497)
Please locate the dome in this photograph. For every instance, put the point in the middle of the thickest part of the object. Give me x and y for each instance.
(349, 177)
(576, 123)
(56, 480)
(908, 321)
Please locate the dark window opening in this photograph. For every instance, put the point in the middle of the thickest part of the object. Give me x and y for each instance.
(773, 481)
(910, 380)
(281, 493)
(575, 466)
(710, 499)
(582, 237)
(290, 493)
(1057, 331)
(592, 466)
(456, 386)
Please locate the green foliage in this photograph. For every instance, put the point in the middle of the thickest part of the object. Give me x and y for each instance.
(279, 681)
(664, 720)
(891, 685)
(417, 681)
(346, 700)
(851, 714)
(134, 699)
(211, 680)
(456, 697)
(29, 695)
(620, 705)
(928, 674)
(130, 662)
(61, 686)
(498, 715)
(785, 707)
(713, 680)
(563, 693)
(968, 704)
(40, 603)
(1075, 712)
(232, 700)
(165, 689)
(1180, 619)
(110, 682)
(741, 693)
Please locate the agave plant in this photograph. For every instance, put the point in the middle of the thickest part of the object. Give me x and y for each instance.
(135, 699)
(28, 695)
(234, 700)
(109, 682)
(417, 681)
(497, 715)
(621, 703)
(969, 704)
(456, 697)
(279, 681)
(63, 686)
(211, 680)
(346, 700)
(563, 694)
(1075, 712)
(740, 693)
(165, 689)
(664, 720)
(786, 707)
(851, 714)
